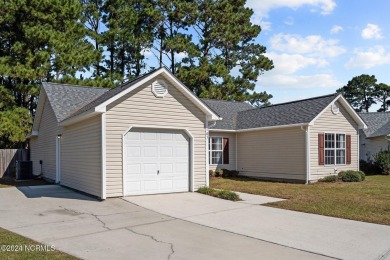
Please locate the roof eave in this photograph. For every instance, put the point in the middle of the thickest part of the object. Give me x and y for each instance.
(259, 128)
(72, 120)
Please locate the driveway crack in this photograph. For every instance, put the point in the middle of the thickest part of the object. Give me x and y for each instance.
(154, 239)
(93, 215)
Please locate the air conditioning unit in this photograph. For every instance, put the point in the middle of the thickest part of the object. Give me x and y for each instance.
(23, 170)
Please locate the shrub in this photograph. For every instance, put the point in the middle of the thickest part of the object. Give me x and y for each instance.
(369, 168)
(351, 176)
(222, 194)
(211, 173)
(218, 172)
(382, 161)
(331, 178)
(229, 174)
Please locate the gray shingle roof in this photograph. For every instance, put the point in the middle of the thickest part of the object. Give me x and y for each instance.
(228, 110)
(378, 123)
(66, 99)
(238, 116)
(109, 94)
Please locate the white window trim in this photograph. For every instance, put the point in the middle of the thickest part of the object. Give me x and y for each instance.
(211, 150)
(335, 149)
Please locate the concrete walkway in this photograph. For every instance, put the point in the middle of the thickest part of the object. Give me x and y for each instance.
(117, 229)
(333, 237)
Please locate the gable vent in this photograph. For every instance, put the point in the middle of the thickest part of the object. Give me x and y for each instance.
(159, 88)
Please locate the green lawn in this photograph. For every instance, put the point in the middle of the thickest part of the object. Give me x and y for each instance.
(9, 238)
(367, 201)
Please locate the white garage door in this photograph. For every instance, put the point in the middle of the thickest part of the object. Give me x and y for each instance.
(156, 161)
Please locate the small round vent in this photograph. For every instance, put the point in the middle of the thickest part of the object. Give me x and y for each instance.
(335, 108)
(159, 88)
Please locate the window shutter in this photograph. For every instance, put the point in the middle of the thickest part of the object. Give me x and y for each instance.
(348, 149)
(321, 155)
(225, 150)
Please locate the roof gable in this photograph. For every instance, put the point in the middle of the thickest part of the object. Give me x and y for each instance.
(378, 123)
(99, 105)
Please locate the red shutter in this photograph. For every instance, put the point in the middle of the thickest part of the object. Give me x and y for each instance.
(225, 150)
(348, 149)
(321, 155)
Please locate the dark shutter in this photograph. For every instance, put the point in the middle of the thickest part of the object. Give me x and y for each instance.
(348, 149)
(225, 150)
(321, 155)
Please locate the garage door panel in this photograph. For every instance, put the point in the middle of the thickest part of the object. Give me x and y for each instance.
(132, 187)
(150, 185)
(150, 168)
(133, 169)
(157, 161)
(133, 151)
(166, 151)
(150, 151)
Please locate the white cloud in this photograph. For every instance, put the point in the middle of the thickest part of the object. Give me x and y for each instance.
(373, 57)
(336, 29)
(262, 7)
(299, 81)
(291, 63)
(289, 21)
(313, 45)
(372, 31)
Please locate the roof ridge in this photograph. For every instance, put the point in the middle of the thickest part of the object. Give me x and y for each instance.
(300, 100)
(222, 100)
(73, 85)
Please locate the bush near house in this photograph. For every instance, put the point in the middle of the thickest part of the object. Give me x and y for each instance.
(382, 162)
(369, 168)
(211, 173)
(351, 176)
(331, 178)
(222, 194)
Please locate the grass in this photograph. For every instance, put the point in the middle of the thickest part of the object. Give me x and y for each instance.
(367, 201)
(10, 238)
(222, 194)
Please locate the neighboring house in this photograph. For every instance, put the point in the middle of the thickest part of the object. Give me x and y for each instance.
(151, 135)
(299, 141)
(376, 137)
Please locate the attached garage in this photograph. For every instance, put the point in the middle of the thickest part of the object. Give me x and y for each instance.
(156, 161)
(147, 136)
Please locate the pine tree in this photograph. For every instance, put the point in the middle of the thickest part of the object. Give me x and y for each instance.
(382, 95)
(227, 61)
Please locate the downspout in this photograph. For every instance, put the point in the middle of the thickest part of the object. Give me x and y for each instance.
(212, 123)
(207, 154)
(307, 144)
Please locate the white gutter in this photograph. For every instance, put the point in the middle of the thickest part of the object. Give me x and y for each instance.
(258, 128)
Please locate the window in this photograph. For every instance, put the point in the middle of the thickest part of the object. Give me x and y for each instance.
(335, 149)
(216, 150)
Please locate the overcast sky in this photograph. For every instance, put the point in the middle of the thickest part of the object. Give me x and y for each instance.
(318, 45)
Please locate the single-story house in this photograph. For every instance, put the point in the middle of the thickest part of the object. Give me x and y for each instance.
(376, 137)
(153, 135)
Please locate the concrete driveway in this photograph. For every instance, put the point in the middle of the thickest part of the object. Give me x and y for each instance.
(333, 237)
(118, 229)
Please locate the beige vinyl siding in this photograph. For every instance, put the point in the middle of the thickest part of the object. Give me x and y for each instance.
(232, 151)
(274, 153)
(328, 122)
(371, 146)
(43, 147)
(142, 108)
(81, 156)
